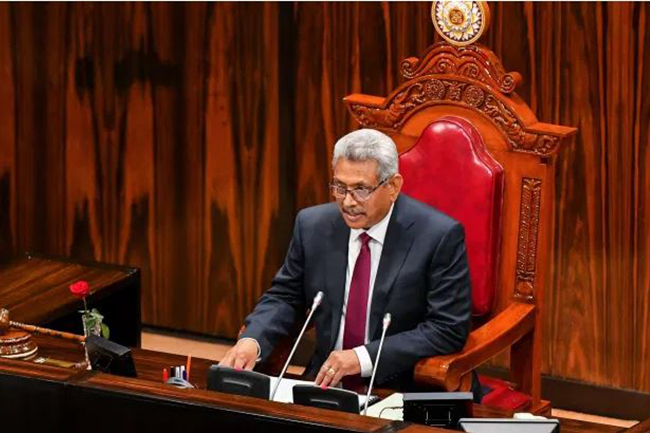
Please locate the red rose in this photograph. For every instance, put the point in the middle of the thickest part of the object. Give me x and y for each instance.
(80, 289)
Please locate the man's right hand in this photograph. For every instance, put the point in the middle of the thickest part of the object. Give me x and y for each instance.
(242, 355)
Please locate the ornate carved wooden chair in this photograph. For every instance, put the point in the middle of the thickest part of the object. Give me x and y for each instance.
(474, 149)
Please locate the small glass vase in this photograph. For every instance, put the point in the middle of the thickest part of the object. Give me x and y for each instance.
(91, 327)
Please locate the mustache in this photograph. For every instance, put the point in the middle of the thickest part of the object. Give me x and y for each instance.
(353, 210)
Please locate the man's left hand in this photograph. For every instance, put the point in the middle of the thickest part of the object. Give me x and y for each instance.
(340, 363)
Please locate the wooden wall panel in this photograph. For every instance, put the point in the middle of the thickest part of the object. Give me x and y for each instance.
(183, 138)
(139, 133)
(345, 48)
(641, 268)
(598, 326)
(7, 137)
(247, 218)
(327, 63)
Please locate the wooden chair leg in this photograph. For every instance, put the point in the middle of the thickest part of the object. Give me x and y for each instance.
(466, 383)
(525, 366)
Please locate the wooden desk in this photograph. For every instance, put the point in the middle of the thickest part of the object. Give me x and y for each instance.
(642, 427)
(71, 401)
(35, 291)
(79, 401)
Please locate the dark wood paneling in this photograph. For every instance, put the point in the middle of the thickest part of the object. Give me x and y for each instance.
(599, 297)
(139, 133)
(247, 214)
(7, 137)
(182, 139)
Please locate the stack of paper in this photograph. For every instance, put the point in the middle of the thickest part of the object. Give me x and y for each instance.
(392, 407)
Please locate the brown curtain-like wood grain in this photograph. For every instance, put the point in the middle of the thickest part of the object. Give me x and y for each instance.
(141, 133)
(183, 138)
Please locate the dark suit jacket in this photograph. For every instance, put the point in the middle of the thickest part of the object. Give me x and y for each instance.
(422, 280)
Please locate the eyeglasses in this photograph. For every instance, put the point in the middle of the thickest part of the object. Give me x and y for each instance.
(358, 194)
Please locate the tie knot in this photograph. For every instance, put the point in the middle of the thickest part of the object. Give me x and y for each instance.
(365, 238)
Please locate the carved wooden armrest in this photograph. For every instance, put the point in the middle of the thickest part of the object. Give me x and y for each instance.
(483, 343)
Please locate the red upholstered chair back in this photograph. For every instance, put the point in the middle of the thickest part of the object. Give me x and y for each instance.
(450, 169)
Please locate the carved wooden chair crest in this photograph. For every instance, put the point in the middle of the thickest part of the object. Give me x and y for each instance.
(474, 149)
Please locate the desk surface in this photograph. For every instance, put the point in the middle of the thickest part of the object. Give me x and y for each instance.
(35, 291)
(149, 365)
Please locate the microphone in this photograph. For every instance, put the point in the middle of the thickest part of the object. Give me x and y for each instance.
(385, 325)
(317, 301)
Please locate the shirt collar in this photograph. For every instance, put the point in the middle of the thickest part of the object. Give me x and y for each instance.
(376, 232)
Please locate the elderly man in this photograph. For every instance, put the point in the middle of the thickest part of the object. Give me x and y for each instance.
(373, 251)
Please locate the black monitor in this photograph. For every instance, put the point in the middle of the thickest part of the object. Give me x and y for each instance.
(109, 357)
(330, 398)
(498, 425)
(231, 381)
(438, 409)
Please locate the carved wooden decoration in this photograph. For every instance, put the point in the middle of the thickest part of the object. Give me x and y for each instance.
(460, 22)
(531, 198)
(471, 62)
(470, 77)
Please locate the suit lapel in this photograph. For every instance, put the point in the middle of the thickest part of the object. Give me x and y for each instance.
(397, 244)
(337, 264)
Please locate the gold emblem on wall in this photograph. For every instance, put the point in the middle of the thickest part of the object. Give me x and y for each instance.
(460, 22)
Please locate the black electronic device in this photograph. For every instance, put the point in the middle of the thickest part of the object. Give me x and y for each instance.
(330, 398)
(109, 357)
(437, 409)
(498, 425)
(240, 382)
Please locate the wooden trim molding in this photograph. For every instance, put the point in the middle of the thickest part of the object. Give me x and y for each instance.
(531, 198)
(470, 61)
(469, 94)
(585, 397)
(470, 77)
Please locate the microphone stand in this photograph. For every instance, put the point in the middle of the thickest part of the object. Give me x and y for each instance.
(317, 301)
(385, 325)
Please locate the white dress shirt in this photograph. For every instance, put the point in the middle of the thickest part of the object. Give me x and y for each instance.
(377, 235)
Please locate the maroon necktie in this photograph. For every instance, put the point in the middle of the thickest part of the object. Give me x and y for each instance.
(355, 314)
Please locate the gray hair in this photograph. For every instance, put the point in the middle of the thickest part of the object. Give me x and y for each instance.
(365, 145)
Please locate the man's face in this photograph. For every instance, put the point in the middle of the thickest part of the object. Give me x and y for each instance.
(351, 175)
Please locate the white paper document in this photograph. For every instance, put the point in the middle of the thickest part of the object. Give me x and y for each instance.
(392, 407)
